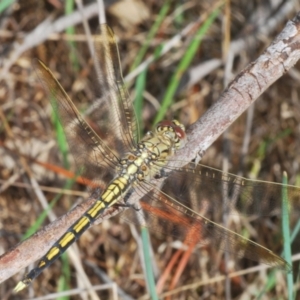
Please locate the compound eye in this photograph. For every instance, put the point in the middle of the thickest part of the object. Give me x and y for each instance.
(180, 133)
(177, 123)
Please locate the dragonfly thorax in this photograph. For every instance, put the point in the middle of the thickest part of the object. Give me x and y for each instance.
(153, 152)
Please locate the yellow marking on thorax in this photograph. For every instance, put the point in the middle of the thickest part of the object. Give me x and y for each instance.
(143, 156)
(132, 169)
(156, 146)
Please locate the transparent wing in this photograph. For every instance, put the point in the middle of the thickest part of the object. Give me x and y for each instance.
(112, 111)
(224, 192)
(191, 197)
(89, 150)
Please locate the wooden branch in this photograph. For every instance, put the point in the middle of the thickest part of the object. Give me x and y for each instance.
(249, 84)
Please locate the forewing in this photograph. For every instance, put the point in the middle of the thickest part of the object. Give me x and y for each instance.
(112, 110)
(93, 157)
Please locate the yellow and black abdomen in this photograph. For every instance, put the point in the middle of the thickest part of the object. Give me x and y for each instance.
(114, 192)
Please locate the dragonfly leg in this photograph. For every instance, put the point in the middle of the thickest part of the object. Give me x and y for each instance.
(198, 157)
(127, 205)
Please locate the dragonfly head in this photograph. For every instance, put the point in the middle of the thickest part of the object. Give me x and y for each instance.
(173, 130)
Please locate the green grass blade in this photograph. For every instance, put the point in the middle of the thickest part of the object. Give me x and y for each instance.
(184, 64)
(268, 286)
(288, 238)
(141, 80)
(138, 101)
(65, 277)
(263, 149)
(159, 19)
(179, 17)
(69, 9)
(148, 265)
(4, 4)
(286, 234)
(61, 140)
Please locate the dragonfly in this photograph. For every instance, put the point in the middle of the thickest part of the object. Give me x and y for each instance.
(131, 165)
